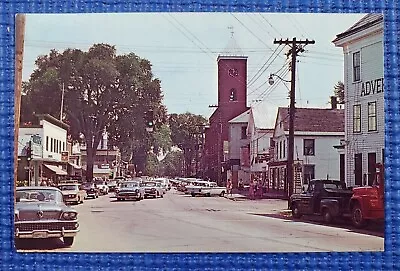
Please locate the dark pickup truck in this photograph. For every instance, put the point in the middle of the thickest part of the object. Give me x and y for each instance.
(327, 198)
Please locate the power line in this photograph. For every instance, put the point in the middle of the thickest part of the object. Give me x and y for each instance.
(253, 81)
(250, 82)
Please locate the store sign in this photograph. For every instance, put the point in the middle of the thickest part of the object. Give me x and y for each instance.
(35, 141)
(64, 156)
(372, 87)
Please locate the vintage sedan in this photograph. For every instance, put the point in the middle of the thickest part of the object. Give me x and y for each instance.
(130, 190)
(91, 190)
(73, 193)
(152, 189)
(40, 212)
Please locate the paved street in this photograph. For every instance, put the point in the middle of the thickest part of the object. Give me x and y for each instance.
(181, 223)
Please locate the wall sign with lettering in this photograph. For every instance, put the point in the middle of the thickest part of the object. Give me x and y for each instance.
(371, 87)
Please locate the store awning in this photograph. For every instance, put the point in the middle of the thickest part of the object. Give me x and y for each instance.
(56, 170)
(74, 165)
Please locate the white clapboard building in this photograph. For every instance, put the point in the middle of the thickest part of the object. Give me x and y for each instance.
(362, 47)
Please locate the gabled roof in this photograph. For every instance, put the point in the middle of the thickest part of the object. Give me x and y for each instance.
(365, 22)
(314, 119)
(242, 118)
(264, 116)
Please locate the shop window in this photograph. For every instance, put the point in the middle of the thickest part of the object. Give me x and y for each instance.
(372, 116)
(284, 149)
(357, 118)
(356, 66)
(309, 147)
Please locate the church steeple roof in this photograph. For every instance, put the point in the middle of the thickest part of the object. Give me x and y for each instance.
(232, 48)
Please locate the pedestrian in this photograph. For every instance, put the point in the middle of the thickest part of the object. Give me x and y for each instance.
(43, 183)
(240, 185)
(251, 189)
(229, 187)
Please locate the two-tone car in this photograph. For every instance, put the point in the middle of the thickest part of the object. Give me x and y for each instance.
(130, 190)
(73, 193)
(91, 189)
(152, 189)
(41, 212)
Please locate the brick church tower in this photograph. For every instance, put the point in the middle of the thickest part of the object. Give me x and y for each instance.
(232, 101)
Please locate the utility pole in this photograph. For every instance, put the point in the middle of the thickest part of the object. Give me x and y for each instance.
(294, 50)
(19, 53)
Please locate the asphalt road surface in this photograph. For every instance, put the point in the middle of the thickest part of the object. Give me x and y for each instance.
(181, 223)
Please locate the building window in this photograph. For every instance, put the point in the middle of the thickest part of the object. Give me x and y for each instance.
(232, 96)
(357, 118)
(284, 149)
(356, 66)
(63, 146)
(47, 143)
(280, 149)
(309, 147)
(51, 145)
(244, 133)
(309, 173)
(372, 116)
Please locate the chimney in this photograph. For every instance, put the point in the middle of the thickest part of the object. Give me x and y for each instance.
(333, 102)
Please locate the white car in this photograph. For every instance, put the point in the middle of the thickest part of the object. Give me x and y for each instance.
(102, 186)
(210, 189)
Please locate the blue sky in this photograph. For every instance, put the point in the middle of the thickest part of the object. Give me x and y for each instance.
(183, 48)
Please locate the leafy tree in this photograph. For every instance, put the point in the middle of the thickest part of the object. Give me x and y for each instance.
(339, 92)
(186, 131)
(101, 91)
(172, 164)
(152, 165)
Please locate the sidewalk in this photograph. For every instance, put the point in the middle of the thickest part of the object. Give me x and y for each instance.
(276, 203)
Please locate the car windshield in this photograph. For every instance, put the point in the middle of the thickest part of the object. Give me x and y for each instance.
(133, 184)
(333, 186)
(88, 185)
(68, 187)
(150, 184)
(39, 195)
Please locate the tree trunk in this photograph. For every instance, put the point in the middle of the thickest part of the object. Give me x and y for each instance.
(89, 163)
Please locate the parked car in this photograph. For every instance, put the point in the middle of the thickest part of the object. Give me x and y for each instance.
(112, 184)
(130, 190)
(73, 193)
(40, 212)
(103, 187)
(152, 189)
(327, 198)
(212, 189)
(164, 183)
(195, 188)
(91, 190)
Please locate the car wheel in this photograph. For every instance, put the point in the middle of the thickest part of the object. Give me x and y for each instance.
(193, 194)
(162, 195)
(295, 211)
(357, 216)
(326, 214)
(222, 194)
(208, 195)
(68, 241)
(118, 199)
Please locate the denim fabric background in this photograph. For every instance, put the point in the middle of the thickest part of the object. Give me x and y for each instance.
(387, 260)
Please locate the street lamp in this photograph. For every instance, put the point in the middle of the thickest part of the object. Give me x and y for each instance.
(271, 79)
